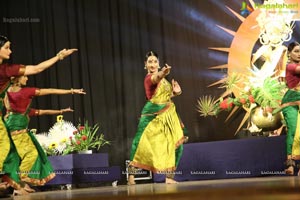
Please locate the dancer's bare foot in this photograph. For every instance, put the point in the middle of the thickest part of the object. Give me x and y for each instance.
(27, 188)
(170, 181)
(131, 180)
(20, 192)
(289, 170)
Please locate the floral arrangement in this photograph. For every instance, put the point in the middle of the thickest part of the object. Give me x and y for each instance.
(267, 95)
(86, 138)
(56, 141)
(64, 138)
(264, 93)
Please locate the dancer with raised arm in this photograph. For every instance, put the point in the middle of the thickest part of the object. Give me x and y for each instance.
(7, 153)
(35, 167)
(157, 145)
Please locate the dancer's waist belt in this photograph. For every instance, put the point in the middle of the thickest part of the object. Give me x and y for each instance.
(17, 132)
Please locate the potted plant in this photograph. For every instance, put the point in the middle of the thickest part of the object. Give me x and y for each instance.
(86, 138)
(64, 138)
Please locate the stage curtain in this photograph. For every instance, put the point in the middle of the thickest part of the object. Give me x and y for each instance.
(112, 37)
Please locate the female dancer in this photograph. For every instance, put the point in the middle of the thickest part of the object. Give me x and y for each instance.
(7, 153)
(157, 145)
(290, 105)
(35, 167)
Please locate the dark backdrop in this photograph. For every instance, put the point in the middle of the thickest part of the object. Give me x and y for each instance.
(112, 37)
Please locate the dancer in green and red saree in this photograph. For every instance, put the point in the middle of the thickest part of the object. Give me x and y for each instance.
(157, 145)
(290, 107)
(35, 167)
(9, 160)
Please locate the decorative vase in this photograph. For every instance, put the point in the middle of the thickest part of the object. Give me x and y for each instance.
(85, 152)
(265, 120)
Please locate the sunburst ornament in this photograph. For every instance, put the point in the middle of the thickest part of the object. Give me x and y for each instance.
(271, 24)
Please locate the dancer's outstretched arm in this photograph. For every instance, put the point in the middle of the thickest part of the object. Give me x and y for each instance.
(54, 112)
(35, 69)
(156, 77)
(47, 91)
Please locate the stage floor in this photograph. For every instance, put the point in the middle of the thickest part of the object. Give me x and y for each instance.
(281, 187)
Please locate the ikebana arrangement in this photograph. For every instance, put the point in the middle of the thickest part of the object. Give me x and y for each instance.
(64, 138)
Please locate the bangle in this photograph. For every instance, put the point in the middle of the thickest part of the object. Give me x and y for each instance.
(72, 91)
(60, 56)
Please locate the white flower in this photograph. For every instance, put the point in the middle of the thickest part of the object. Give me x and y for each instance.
(57, 139)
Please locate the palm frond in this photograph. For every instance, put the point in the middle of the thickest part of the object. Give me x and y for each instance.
(206, 106)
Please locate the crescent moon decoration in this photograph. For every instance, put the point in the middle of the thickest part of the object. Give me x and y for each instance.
(270, 24)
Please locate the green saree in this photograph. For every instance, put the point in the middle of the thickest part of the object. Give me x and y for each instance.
(292, 119)
(157, 145)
